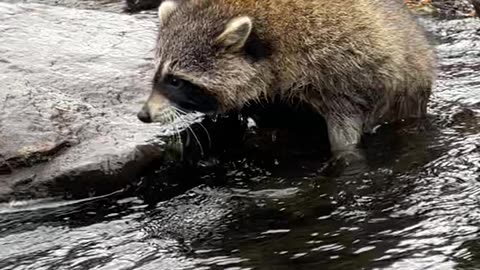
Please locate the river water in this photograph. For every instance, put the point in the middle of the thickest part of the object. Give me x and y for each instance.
(413, 205)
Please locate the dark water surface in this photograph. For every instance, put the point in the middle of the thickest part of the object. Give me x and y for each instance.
(414, 205)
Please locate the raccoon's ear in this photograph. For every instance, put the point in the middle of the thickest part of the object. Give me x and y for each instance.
(166, 9)
(236, 33)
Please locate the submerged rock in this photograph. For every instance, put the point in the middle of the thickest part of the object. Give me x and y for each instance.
(72, 82)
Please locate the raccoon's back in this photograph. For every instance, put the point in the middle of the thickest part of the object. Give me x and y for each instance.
(344, 36)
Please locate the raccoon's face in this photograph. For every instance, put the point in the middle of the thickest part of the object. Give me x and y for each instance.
(206, 58)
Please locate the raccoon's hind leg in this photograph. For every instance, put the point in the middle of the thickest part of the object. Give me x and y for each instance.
(344, 132)
(345, 125)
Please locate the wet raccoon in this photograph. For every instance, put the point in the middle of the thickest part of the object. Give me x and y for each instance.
(358, 63)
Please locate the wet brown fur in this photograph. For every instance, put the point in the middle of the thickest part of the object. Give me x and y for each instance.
(358, 63)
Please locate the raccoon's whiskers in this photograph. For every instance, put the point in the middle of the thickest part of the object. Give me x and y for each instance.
(198, 141)
(177, 136)
(172, 119)
(179, 113)
(201, 125)
(208, 135)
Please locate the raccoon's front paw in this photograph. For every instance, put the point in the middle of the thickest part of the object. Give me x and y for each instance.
(173, 148)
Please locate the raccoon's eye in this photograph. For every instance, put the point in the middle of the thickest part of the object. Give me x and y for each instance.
(173, 81)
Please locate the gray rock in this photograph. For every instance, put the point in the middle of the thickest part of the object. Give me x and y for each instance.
(105, 5)
(72, 82)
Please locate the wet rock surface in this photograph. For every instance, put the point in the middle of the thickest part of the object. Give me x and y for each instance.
(104, 5)
(72, 82)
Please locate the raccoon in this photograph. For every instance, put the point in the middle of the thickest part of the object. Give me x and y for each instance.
(358, 63)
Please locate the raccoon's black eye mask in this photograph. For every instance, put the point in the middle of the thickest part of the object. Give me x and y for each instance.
(186, 95)
(173, 82)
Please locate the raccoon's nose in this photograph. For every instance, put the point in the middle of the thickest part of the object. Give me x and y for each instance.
(144, 116)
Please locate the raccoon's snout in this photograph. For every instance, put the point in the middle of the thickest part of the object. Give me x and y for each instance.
(144, 115)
